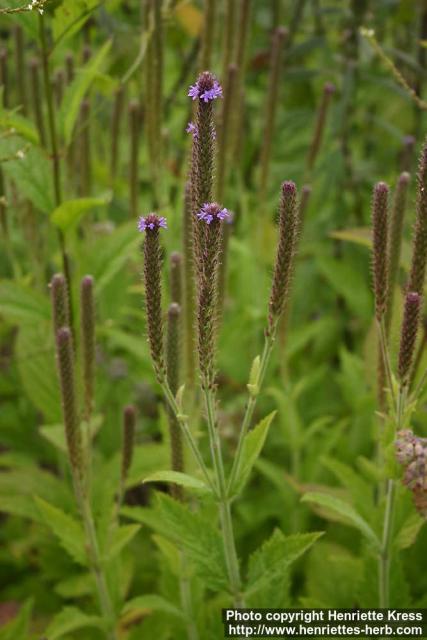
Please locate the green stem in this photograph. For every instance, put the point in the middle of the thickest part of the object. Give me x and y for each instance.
(382, 334)
(182, 421)
(385, 554)
(250, 407)
(95, 560)
(230, 551)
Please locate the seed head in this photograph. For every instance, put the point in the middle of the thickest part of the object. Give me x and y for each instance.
(129, 421)
(65, 361)
(285, 255)
(380, 242)
(419, 250)
(60, 302)
(151, 225)
(408, 334)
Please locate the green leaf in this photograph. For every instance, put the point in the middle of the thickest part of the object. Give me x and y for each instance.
(19, 302)
(68, 214)
(19, 627)
(36, 365)
(71, 619)
(23, 127)
(142, 604)
(21, 506)
(359, 235)
(68, 531)
(32, 174)
(76, 586)
(359, 489)
(275, 556)
(408, 533)
(55, 433)
(120, 538)
(345, 511)
(349, 282)
(176, 477)
(146, 459)
(69, 17)
(252, 446)
(189, 530)
(75, 92)
(108, 255)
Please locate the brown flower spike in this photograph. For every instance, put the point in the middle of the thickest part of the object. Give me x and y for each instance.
(151, 225)
(283, 267)
(379, 248)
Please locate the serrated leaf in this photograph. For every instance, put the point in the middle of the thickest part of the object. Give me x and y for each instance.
(407, 535)
(252, 446)
(68, 214)
(21, 506)
(75, 92)
(275, 556)
(68, 531)
(120, 538)
(346, 512)
(71, 619)
(32, 174)
(191, 531)
(147, 603)
(176, 477)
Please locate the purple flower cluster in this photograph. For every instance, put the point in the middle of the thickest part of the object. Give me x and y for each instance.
(411, 453)
(211, 211)
(205, 93)
(151, 222)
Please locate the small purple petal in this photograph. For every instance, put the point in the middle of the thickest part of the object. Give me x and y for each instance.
(193, 91)
(192, 128)
(211, 211)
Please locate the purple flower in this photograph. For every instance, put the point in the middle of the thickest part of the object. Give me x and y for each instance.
(211, 211)
(151, 222)
(207, 88)
(192, 128)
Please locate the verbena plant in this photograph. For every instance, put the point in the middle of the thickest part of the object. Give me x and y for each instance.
(202, 486)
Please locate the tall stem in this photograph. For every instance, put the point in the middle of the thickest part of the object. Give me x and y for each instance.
(250, 407)
(230, 552)
(385, 553)
(55, 155)
(182, 421)
(96, 564)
